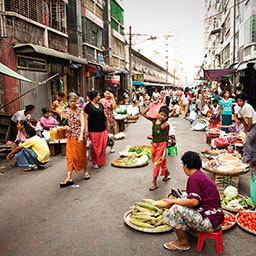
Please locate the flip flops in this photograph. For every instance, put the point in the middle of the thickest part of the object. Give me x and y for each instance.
(151, 188)
(66, 184)
(31, 168)
(176, 248)
(167, 178)
(87, 177)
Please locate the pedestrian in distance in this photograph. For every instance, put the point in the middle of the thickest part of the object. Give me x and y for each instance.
(199, 211)
(160, 133)
(215, 113)
(76, 151)
(96, 127)
(58, 107)
(226, 110)
(248, 115)
(34, 149)
(109, 104)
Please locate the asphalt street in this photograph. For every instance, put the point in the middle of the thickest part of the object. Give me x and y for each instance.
(37, 217)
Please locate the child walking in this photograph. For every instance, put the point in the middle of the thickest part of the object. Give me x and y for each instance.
(160, 132)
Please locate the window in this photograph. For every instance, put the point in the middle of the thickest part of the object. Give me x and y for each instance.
(31, 63)
(226, 53)
(250, 30)
(92, 34)
(32, 9)
(117, 17)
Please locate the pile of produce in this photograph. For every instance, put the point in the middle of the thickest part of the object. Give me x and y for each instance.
(228, 220)
(130, 161)
(232, 201)
(141, 150)
(148, 215)
(247, 220)
(226, 163)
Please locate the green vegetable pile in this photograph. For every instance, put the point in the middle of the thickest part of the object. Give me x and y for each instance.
(247, 202)
(141, 150)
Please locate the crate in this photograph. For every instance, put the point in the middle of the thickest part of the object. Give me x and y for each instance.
(223, 181)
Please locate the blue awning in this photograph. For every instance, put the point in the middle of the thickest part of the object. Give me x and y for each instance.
(137, 83)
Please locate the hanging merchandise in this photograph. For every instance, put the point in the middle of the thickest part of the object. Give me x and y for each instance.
(61, 85)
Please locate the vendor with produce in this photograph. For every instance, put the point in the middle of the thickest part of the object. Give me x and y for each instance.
(160, 132)
(200, 212)
(248, 114)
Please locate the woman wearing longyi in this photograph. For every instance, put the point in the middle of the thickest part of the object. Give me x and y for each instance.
(200, 212)
(76, 143)
(96, 125)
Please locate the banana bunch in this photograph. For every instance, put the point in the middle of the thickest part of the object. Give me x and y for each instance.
(148, 214)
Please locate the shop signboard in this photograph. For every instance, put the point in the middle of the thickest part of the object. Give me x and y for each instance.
(112, 79)
(138, 77)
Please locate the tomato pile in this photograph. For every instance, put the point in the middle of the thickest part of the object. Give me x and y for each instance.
(227, 220)
(247, 219)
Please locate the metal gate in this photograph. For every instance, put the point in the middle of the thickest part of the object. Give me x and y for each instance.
(38, 97)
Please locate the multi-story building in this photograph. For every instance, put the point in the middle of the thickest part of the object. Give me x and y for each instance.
(230, 39)
(35, 43)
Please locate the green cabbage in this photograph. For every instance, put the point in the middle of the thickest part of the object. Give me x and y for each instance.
(230, 192)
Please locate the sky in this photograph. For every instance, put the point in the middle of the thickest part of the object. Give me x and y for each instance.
(182, 19)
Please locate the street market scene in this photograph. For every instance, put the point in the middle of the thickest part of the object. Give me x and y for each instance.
(127, 127)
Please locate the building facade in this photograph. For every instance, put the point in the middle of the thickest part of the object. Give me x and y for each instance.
(35, 43)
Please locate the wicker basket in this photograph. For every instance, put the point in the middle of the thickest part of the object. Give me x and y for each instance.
(224, 228)
(131, 121)
(243, 227)
(132, 117)
(232, 173)
(133, 166)
(231, 209)
(146, 230)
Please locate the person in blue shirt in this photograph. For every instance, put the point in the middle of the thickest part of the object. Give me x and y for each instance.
(226, 110)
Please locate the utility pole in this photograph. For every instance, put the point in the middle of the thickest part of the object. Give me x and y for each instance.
(234, 34)
(234, 41)
(166, 56)
(130, 59)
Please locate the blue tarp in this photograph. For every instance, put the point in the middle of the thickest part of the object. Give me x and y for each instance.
(137, 83)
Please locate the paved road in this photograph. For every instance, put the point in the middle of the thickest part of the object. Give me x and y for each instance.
(39, 218)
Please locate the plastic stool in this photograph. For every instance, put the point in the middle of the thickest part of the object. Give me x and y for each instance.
(216, 235)
(170, 150)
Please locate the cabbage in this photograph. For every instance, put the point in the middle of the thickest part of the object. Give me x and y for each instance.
(230, 192)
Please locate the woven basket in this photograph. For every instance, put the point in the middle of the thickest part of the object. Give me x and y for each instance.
(224, 228)
(231, 209)
(146, 230)
(133, 166)
(232, 173)
(132, 117)
(131, 121)
(244, 228)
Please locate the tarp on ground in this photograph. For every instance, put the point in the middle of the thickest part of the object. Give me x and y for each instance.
(9, 72)
(213, 74)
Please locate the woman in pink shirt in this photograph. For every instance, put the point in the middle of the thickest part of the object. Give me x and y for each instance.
(47, 121)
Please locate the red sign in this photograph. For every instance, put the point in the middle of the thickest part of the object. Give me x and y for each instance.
(112, 79)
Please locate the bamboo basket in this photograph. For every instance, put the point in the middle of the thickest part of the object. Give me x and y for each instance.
(133, 166)
(146, 230)
(243, 227)
(224, 228)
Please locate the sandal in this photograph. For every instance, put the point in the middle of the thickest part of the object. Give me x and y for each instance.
(31, 168)
(152, 188)
(87, 177)
(167, 177)
(175, 247)
(66, 183)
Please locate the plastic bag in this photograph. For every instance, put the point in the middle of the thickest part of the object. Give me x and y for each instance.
(110, 142)
(253, 187)
(221, 143)
(154, 110)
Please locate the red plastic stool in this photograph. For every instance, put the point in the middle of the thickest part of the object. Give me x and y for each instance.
(216, 235)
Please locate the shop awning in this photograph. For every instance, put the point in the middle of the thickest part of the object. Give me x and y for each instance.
(137, 83)
(211, 74)
(32, 48)
(9, 72)
(156, 84)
